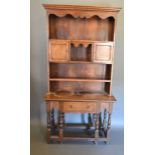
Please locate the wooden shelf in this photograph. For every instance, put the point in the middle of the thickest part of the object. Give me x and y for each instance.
(81, 41)
(80, 62)
(78, 80)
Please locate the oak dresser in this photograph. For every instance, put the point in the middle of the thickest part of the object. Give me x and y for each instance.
(81, 46)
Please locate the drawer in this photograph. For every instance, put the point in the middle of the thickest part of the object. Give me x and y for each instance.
(79, 107)
(58, 50)
(103, 52)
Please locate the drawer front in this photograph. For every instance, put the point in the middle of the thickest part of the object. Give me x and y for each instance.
(103, 52)
(79, 107)
(58, 50)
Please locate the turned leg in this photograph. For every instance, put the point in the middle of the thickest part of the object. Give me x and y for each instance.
(83, 118)
(109, 124)
(61, 125)
(105, 121)
(100, 124)
(96, 127)
(100, 121)
(106, 129)
(53, 120)
(48, 127)
(89, 121)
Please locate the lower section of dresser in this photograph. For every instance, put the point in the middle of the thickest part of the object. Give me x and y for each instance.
(96, 129)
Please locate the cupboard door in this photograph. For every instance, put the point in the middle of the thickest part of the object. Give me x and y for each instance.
(103, 52)
(58, 50)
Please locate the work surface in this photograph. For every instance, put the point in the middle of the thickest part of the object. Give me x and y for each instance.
(79, 97)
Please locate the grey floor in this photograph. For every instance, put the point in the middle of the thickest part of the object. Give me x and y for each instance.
(40, 147)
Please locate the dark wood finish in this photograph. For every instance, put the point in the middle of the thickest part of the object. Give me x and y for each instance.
(100, 121)
(83, 71)
(109, 124)
(89, 122)
(68, 27)
(96, 127)
(75, 87)
(48, 126)
(53, 120)
(105, 120)
(61, 126)
(80, 67)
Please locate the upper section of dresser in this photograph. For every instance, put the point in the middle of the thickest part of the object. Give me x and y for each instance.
(81, 41)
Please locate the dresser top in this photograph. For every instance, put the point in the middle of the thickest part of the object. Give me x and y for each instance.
(79, 97)
(81, 7)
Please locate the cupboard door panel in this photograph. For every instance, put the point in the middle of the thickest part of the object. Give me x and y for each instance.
(58, 50)
(103, 52)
